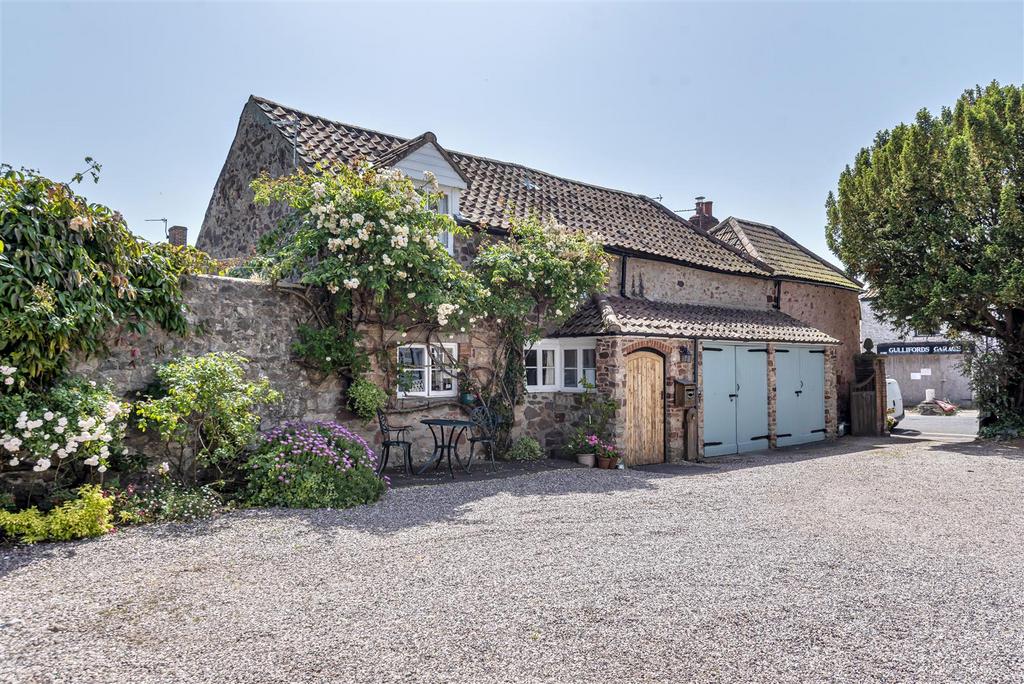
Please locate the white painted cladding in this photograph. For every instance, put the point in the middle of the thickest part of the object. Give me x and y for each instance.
(428, 158)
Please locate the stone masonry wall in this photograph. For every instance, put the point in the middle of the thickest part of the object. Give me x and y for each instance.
(666, 282)
(233, 224)
(836, 312)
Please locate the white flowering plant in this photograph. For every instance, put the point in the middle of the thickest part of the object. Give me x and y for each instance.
(370, 238)
(549, 268)
(75, 431)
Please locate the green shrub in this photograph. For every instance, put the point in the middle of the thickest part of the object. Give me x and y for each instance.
(205, 409)
(313, 465)
(525, 449)
(87, 516)
(165, 501)
(365, 399)
(330, 350)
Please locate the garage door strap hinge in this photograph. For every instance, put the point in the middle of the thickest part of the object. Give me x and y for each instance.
(781, 351)
(760, 437)
(785, 434)
(764, 351)
(712, 349)
(707, 444)
(818, 430)
(817, 351)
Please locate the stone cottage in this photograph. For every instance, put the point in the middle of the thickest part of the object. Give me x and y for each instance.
(711, 337)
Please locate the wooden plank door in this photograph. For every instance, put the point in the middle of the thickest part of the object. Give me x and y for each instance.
(645, 408)
(788, 420)
(718, 368)
(752, 402)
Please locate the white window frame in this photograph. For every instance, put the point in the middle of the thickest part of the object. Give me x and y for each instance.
(428, 369)
(559, 346)
(448, 198)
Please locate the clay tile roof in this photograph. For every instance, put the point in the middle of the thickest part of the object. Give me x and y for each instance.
(621, 315)
(500, 190)
(786, 256)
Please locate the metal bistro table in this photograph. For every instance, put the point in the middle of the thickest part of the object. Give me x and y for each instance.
(447, 432)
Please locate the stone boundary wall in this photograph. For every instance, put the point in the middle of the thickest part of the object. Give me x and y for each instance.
(256, 320)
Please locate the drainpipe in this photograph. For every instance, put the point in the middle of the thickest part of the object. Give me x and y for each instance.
(622, 276)
(777, 304)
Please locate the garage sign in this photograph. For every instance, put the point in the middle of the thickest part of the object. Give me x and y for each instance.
(903, 348)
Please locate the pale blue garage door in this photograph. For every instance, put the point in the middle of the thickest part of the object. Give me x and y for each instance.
(800, 384)
(735, 391)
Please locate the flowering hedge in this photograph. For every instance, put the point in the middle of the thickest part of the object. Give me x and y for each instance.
(313, 465)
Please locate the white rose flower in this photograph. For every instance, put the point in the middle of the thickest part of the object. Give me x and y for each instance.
(13, 462)
(41, 465)
(101, 469)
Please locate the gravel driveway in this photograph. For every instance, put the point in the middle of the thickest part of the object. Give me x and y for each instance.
(882, 561)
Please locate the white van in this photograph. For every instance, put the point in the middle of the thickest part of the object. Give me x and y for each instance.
(894, 400)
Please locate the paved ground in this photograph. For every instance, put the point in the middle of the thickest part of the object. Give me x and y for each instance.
(962, 425)
(885, 560)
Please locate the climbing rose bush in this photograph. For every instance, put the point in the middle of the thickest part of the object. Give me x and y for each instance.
(370, 238)
(313, 465)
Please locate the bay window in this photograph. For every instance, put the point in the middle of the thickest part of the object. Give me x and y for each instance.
(561, 365)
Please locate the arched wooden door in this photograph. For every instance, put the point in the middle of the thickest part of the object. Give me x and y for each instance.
(645, 408)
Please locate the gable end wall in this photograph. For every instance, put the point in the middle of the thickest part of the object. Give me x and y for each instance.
(233, 224)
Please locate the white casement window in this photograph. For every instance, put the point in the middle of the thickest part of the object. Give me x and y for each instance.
(541, 368)
(579, 367)
(443, 206)
(561, 365)
(427, 374)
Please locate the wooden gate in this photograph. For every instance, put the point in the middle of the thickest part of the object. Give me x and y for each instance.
(645, 408)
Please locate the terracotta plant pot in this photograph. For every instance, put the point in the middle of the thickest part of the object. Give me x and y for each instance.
(585, 459)
(607, 463)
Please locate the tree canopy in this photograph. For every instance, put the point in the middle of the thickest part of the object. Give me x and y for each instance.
(932, 216)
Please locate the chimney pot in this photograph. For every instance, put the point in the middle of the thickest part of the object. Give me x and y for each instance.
(177, 235)
(702, 216)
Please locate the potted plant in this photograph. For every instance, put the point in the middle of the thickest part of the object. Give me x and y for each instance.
(468, 390)
(607, 455)
(582, 444)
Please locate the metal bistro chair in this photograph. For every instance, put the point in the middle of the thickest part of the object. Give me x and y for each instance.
(386, 431)
(485, 432)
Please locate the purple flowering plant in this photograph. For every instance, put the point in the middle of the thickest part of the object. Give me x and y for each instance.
(313, 465)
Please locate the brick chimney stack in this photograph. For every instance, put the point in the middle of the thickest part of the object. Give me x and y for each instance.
(177, 235)
(702, 216)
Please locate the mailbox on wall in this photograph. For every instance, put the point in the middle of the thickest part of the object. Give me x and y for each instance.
(685, 394)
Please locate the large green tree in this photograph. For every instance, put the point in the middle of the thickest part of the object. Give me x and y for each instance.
(932, 216)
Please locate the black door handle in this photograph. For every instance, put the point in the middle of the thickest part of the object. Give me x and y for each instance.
(798, 393)
(733, 396)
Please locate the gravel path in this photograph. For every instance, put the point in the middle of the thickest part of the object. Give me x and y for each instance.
(902, 561)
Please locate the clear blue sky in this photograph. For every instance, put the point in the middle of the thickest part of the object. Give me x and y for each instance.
(757, 106)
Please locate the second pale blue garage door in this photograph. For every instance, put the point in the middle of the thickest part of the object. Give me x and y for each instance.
(800, 383)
